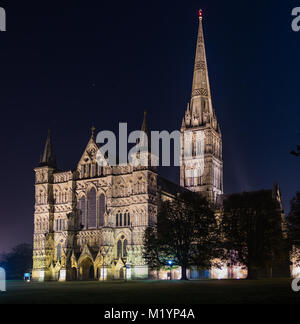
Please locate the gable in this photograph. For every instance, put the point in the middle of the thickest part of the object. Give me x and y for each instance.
(89, 154)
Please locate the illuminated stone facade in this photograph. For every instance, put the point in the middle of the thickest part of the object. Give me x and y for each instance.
(295, 265)
(202, 164)
(89, 223)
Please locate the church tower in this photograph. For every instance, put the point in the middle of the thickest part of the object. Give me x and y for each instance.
(43, 244)
(202, 164)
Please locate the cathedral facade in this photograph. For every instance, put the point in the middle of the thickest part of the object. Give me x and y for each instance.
(89, 223)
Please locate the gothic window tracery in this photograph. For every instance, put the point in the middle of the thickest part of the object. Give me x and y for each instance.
(93, 170)
(123, 220)
(92, 213)
(58, 253)
(102, 207)
(122, 247)
(60, 225)
(82, 209)
(188, 145)
(119, 249)
(127, 219)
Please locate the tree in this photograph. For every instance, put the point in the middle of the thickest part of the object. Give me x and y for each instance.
(293, 227)
(152, 252)
(297, 152)
(252, 228)
(186, 231)
(17, 262)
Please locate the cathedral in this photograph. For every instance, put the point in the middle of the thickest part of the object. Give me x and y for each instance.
(89, 223)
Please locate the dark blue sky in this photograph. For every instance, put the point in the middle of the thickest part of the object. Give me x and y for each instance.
(70, 65)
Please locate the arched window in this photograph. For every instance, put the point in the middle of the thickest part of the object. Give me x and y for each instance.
(123, 220)
(120, 252)
(93, 170)
(92, 219)
(122, 247)
(127, 219)
(58, 253)
(82, 209)
(125, 243)
(101, 210)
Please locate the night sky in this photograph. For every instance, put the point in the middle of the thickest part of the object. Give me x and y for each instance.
(71, 65)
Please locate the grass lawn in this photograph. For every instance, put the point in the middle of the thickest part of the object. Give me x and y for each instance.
(151, 292)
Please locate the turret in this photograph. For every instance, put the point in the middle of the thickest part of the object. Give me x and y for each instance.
(48, 157)
(44, 213)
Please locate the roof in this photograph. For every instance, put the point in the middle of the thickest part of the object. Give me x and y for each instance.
(170, 187)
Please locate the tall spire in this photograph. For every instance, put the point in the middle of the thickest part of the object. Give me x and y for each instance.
(145, 129)
(48, 158)
(201, 104)
(201, 134)
(145, 124)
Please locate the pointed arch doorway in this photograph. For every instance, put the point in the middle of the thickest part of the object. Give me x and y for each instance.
(87, 270)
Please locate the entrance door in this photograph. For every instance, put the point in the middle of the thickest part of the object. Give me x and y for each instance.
(122, 276)
(87, 270)
(74, 274)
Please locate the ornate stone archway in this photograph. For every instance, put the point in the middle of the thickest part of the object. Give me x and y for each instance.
(73, 274)
(87, 271)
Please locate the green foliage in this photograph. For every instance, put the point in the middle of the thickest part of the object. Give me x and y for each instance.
(252, 227)
(293, 220)
(297, 152)
(186, 232)
(152, 250)
(293, 226)
(17, 262)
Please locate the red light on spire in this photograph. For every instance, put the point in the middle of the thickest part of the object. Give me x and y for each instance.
(200, 13)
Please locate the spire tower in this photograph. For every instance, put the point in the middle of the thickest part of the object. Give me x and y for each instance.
(201, 95)
(48, 158)
(145, 129)
(145, 124)
(202, 165)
